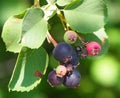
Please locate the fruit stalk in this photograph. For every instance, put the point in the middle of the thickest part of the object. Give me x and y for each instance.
(62, 19)
(51, 39)
(82, 40)
(36, 3)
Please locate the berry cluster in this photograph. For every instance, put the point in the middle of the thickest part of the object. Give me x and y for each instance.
(68, 57)
(65, 73)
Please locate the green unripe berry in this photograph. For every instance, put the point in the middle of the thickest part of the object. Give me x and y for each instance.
(70, 37)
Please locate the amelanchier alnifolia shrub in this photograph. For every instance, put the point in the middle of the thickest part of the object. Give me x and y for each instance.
(76, 23)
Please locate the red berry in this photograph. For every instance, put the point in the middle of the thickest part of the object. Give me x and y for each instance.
(93, 48)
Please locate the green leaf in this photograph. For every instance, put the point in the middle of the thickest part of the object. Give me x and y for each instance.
(11, 33)
(86, 16)
(34, 28)
(49, 10)
(101, 34)
(63, 2)
(53, 63)
(29, 63)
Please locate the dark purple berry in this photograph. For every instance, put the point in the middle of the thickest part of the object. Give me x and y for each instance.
(72, 79)
(54, 80)
(62, 52)
(75, 60)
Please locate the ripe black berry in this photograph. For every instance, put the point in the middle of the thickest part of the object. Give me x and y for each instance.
(53, 80)
(72, 79)
(62, 52)
(75, 60)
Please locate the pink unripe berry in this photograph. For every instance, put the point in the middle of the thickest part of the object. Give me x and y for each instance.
(70, 37)
(93, 48)
(61, 71)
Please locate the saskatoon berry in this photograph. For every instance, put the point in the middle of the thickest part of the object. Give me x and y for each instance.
(70, 37)
(72, 79)
(61, 71)
(75, 60)
(62, 52)
(53, 80)
(93, 48)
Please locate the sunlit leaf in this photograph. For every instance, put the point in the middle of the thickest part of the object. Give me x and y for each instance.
(31, 65)
(34, 28)
(86, 16)
(11, 33)
(101, 34)
(49, 10)
(63, 2)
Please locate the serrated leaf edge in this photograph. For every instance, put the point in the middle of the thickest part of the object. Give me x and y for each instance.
(27, 89)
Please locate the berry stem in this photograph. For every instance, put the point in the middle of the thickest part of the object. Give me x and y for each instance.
(36, 3)
(51, 39)
(60, 15)
(82, 40)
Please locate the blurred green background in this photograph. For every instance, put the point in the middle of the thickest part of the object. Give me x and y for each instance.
(100, 77)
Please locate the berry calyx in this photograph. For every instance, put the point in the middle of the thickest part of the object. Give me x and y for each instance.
(61, 71)
(70, 37)
(93, 48)
(62, 52)
(54, 80)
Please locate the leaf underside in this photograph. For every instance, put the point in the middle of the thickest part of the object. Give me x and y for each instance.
(34, 28)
